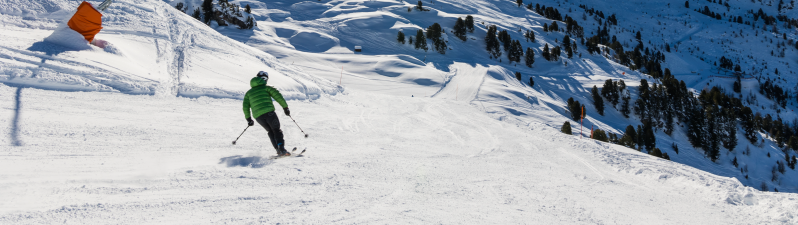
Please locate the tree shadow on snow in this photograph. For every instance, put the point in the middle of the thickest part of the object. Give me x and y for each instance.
(250, 161)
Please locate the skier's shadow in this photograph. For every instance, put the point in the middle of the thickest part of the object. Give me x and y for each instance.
(250, 161)
(48, 48)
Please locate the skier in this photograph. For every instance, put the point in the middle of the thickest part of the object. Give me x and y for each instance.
(259, 99)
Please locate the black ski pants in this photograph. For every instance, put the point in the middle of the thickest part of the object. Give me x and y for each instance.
(270, 122)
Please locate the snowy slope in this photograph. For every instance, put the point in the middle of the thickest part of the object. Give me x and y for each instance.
(319, 36)
(156, 50)
(415, 138)
(372, 158)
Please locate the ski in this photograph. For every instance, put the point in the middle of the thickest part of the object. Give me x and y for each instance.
(292, 155)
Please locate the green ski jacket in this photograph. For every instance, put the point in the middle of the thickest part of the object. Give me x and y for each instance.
(259, 98)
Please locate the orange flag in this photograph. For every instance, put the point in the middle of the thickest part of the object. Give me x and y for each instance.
(87, 21)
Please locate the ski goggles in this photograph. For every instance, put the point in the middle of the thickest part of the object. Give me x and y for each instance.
(263, 75)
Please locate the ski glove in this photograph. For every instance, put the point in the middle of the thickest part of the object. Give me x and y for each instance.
(250, 122)
(287, 112)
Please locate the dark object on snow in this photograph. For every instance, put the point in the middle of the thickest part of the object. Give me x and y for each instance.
(358, 48)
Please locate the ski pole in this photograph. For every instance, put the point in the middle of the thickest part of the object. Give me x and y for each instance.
(239, 136)
(297, 125)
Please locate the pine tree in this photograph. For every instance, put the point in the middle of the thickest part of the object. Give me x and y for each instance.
(196, 14)
(515, 52)
(555, 53)
(711, 146)
(566, 128)
(598, 102)
(625, 106)
(575, 108)
(687, 4)
(530, 36)
(491, 43)
(250, 23)
(638, 36)
(610, 92)
(545, 27)
(675, 147)
(247, 9)
(748, 124)
(531, 82)
(460, 29)
(400, 37)
(566, 44)
(546, 52)
(420, 6)
(529, 59)
(655, 152)
(518, 76)
(506, 40)
(793, 143)
(207, 8)
(695, 126)
(731, 135)
(421, 40)
(519, 2)
(600, 135)
(469, 23)
(434, 32)
(629, 138)
(641, 142)
(650, 138)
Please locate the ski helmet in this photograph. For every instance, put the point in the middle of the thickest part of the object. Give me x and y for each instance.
(263, 75)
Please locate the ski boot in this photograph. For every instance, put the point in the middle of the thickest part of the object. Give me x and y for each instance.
(282, 152)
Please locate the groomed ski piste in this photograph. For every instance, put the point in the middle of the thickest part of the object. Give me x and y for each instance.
(140, 131)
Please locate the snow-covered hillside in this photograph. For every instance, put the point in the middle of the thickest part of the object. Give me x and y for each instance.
(140, 131)
(320, 36)
(372, 158)
(165, 52)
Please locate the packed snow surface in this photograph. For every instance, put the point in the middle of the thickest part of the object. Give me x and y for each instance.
(112, 158)
(140, 129)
